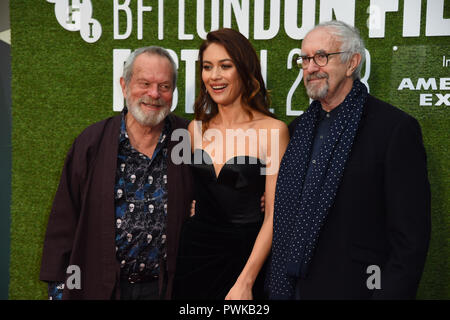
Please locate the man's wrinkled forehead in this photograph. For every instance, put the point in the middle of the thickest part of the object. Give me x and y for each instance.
(152, 64)
(320, 40)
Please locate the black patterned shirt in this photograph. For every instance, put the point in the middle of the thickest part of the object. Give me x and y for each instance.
(140, 199)
(141, 205)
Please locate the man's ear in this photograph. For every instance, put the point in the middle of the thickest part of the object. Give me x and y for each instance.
(124, 87)
(354, 62)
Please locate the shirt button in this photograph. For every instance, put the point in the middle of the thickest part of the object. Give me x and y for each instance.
(328, 115)
(314, 161)
(321, 137)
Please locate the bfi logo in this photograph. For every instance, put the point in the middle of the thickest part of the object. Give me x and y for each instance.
(76, 15)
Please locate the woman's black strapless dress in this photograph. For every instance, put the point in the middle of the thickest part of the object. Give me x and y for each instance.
(216, 242)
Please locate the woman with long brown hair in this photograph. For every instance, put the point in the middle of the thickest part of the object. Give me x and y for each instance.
(224, 245)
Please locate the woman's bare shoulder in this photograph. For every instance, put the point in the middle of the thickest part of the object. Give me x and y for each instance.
(267, 122)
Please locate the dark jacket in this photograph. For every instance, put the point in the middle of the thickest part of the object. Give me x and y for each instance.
(380, 216)
(81, 226)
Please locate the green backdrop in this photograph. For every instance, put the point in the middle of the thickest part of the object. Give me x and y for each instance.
(61, 84)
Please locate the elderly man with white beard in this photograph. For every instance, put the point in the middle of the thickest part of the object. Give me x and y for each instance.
(115, 171)
(352, 206)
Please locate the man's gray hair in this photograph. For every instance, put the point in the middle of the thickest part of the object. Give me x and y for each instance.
(151, 50)
(351, 42)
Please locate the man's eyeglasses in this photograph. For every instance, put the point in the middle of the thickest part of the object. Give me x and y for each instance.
(321, 59)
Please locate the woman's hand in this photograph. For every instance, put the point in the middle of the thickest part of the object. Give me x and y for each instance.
(263, 202)
(193, 208)
(240, 292)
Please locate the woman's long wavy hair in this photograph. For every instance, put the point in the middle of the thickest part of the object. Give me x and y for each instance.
(254, 93)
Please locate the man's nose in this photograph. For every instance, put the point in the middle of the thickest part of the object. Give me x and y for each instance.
(153, 91)
(312, 66)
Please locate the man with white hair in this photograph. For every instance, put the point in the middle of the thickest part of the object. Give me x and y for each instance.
(100, 219)
(352, 206)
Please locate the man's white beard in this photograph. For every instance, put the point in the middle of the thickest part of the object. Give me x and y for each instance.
(317, 91)
(151, 118)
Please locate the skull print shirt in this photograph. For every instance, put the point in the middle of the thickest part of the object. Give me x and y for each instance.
(140, 196)
(141, 206)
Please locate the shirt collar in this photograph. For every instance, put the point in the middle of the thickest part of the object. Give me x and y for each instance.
(332, 113)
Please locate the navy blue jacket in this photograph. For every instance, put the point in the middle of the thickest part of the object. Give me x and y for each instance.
(380, 216)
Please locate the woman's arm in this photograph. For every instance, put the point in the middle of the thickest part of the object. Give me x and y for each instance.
(242, 289)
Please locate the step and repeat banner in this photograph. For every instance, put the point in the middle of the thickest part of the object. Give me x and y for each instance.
(68, 55)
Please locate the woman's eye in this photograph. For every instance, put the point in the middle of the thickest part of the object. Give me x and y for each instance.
(207, 67)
